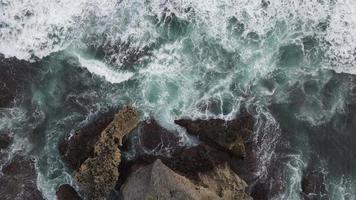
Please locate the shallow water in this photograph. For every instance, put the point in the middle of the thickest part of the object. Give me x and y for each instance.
(290, 63)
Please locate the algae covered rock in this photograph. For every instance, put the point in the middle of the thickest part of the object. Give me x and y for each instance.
(98, 175)
(77, 148)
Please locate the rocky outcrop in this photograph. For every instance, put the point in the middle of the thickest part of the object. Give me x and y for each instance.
(67, 192)
(228, 135)
(157, 181)
(18, 180)
(77, 148)
(98, 174)
(15, 77)
(201, 166)
(153, 156)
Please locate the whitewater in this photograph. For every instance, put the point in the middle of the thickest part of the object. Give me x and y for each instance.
(290, 63)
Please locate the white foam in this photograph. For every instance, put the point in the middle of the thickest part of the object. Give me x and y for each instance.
(37, 27)
(101, 69)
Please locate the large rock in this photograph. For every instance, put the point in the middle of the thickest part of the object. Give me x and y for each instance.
(67, 192)
(77, 148)
(15, 77)
(18, 180)
(157, 181)
(228, 135)
(98, 175)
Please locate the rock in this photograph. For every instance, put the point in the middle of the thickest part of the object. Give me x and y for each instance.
(98, 174)
(197, 159)
(15, 77)
(18, 180)
(5, 141)
(67, 192)
(228, 135)
(157, 181)
(77, 148)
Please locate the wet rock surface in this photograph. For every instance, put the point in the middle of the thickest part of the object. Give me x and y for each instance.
(67, 192)
(77, 148)
(18, 179)
(228, 135)
(98, 175)
(15, 77)
(155, 138)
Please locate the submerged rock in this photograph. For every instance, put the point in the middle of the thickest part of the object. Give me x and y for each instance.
(5, 140)
(18, 180)
(314, 185)
(98, 175)
(157, 181)
(77, 148)
(67, 192)
(229, 135)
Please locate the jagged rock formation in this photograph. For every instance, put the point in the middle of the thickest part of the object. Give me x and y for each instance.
(157, 181)
(18, 179)
(229, 135)
(98, 174)
(77, 148)
(161, 168)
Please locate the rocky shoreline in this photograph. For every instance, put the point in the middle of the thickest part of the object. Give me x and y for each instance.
(205, 171)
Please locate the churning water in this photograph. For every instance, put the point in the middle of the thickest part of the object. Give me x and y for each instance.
(289, 62)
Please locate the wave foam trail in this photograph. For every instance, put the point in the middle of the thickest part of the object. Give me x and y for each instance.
(101, 69)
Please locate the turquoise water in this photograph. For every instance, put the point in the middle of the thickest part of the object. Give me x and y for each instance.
(290, 63)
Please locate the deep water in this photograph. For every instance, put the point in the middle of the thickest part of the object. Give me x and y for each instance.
(289, 63)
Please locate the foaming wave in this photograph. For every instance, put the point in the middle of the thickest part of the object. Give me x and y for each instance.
(101, 69)
(341, 37)
(38, 28)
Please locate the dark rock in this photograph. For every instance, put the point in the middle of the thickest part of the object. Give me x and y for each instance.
(15, 77)
(228, 135)
(151, 138)
(5, 141)
(76, 149)
(156, 138)
(98, 175)
(67, 192)
(19, 180)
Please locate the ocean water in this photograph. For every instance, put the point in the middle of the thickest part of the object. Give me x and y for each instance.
(290, 63)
